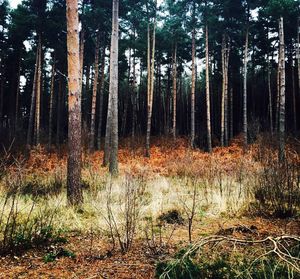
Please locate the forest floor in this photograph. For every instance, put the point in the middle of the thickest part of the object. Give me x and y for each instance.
(225, 202)
(90, 261)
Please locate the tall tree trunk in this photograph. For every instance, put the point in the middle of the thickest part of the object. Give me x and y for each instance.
(294, 97)
(270, 97)
(17, 96)
(208, 120)
(226, 93)
(193, 90)
(101, 88)
(38, 95)
(278, 96)
(94, 95)
(282, 92)
(85, 97)
(224, 103)
(133, 100)
(245, 121)
(127, 95)
(231, 113)
(113, 89)
(223, 93)
(58, 110)
(81, 53)
(151, 88)
(74, 190)
(51, 101)
(174, 89)
(33, 96)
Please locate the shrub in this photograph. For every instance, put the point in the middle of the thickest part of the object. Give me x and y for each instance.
(21, 230)
(277, 188)
(123, 223)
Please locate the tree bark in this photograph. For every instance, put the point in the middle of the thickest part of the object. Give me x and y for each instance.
(81, 53)
(33, 96)
(282, 92)
(231, 114)
(294, 98)
(133, 100)
(245, 121)
(193, 90)
(58, 110)
(126, 98)
(94, 95)
(51, 101)
(38, 95)
(74, 190)
(224, 103)
(270, 97)
(17, 96)
(101, 89)
(278, 96)
(208, 120)
(151, 86)
(113, 90)
(174, 89)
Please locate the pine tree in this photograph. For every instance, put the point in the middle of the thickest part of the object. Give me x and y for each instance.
(74, 190)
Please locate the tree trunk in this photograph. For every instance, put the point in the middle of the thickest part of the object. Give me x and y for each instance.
(231, 113)
(174, 89)
(17, 96)
(278, 96)
(38, 95)
(81, 53)
(33, 96)
(51, 101)
(282, 92)
(226, 92)
(223, 93)
(151, 86)
(85, 97)
(294, 98)
(270, 98)
(133, 101)
(127, 95)
(94, 95)
(224, 103)
(245, 121)
(74, 190)
(113, 89)
(193, 90)
(208, 120)
(101, 88)
(58, 110)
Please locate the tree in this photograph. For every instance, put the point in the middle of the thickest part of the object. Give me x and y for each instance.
(245, 123)
(111, 140)
(95, 90)
(224, 108)
(51, 102)
(150, 79)
(208, 121)
(74, 190)
(193, 79)
(281, 62)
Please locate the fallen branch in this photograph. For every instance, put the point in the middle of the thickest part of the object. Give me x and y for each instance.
(277, 248)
